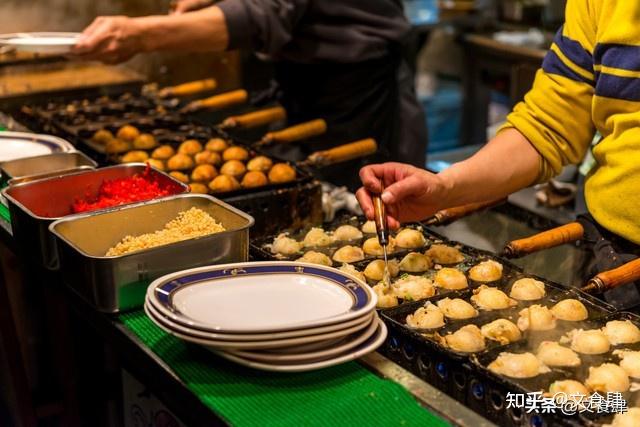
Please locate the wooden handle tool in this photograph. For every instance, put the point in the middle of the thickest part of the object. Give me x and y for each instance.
(342, 153)
(547, 239)
(296, 133)
(190, 88)
(255, 118)
(447, 216)
(626, 273)
(218, 102)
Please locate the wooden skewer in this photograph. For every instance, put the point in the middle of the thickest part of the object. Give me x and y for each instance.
(547, 239)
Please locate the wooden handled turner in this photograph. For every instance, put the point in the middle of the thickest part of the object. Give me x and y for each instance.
(626, 273)
(218, 102)
(547, 239)
(295, 133)
(341, 153)
(255, 118)
(447, 216)
(190, 88)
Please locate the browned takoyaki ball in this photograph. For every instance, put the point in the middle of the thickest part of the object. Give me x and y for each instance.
(117, 146)
(282, 172)
(217, 145)
(102, 136)
(208, 158)
(260, 163)
(223, 183)
(135, 156)
(128, 133)
(145, 141)
(180, 176)
(164, 152)
(198, 188)
(190, 147)
(254, 179)
(235, 153)
(180, 162)
(204, 173)
(155, 163)
(234, 168)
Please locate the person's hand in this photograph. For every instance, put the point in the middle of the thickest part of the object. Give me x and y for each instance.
(110, 39)
(410, 193)
(178, 7)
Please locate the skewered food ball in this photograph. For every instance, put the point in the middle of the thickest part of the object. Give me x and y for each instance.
(234, 168)
(443, 254)
(216, 144)
(410, 239)
(135, 156)
(117, 146)
(346, 233)
(608, 377)
(414, 288)
(314, 257)
(164, 152)
(524, 365)
(235, 153)
(502, 330)
(467, 339)
(198, 188)
(145, 141)
(630, 362)
(552, 353)
(488, 298)
(591, 341)
(155, 163)
(190, 147)
(223, 184)
(486, 271)
(316, 237)
(285, 245)
(204, 173)
(281, 173)
(536, 318)
(386, 297)
(457, 308)
(450, 278)
(350, 269)
(348, 254)
(372, 246)
(621, 332)
(375, 269)
(564, 390)
(208, 158)
(369, 227)
(631, 418)
(253, 179)
(260, 163)
(415, 262)
(427, 317)
(180, 161)
(102, 136)
(128, 133)
(527, 289)
(570, 309)
(180, 176)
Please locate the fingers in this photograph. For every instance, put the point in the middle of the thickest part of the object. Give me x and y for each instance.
(371, 176)
(364, 198)
(92, 37)
(402, 189)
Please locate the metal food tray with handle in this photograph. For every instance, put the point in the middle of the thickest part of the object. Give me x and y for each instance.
(115, 283)
(33, 168)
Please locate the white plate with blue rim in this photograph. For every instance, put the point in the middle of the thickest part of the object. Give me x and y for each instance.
(260, 297)
(19, 145)
(54, 43)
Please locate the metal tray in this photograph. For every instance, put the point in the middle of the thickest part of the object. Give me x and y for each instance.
(33, 168)
(46, 144)
(35, 205)
(115, 283)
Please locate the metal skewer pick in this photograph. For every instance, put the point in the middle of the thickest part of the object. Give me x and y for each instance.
(382, 230)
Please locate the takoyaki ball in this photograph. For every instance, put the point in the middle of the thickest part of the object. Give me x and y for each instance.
(285, 245)
(350, 269)
(346, 233)
(631, 418)
(536, 318)
(486, 271)
(216, 144)
(348, 254)
(415, 262)
(524, 365)
(502, 330)
(413, 288)
(427, 317)
(223, 184)
(314, 257)
(386, 297)
(164, 152)
(369, 227)
(204, 173)
(552, 353)
(235, 153)
(145, 141)
(410, 239)
(316, 237)
(198, 188)
(282, 172)
(117, 146)
(128, 133)
(155, 163)
(102, 136)
(564, 390)
(253, 179)
(489, 298)
(234, 168)
(260, 164)
(608, 377)
(591, 341)
(375, 269)
(457, 308)
(527, 289)
(190, 147)
(621, 332)
(372, 246)
(467, 339)
(180, 176)
(570, 309)
(135, 156)
(180, 162)
(450, 278)
(443, 254)
(207, 158)
(630, 362)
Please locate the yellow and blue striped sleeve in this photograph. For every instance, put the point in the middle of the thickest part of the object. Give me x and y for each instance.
(555, 115)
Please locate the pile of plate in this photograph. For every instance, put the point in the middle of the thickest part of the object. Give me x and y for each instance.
(276, 316)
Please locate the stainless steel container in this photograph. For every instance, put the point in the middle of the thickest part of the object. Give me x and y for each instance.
(114, 283)
(34, 205)
(32, 168)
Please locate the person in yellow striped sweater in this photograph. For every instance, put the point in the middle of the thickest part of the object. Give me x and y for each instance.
(589, 81)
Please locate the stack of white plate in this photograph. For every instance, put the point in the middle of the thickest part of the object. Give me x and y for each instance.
(276, 316)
